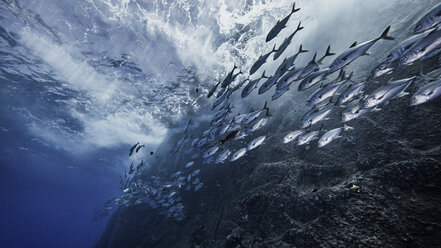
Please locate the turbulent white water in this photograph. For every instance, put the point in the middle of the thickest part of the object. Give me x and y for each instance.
(103, 73)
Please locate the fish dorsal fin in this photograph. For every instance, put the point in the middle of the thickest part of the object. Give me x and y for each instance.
(353, 45)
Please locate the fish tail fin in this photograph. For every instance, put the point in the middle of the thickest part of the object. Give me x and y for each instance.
(294, 8)
(328, 52)
(301, 50)
(299, 27)
(385, 35)
(274, 48)
(346, 127)
(263, 75)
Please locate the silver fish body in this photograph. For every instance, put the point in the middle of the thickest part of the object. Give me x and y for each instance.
(256, 142)
(291, 136)
(238, 154)
(387, 92)
(350, 93)
(307, 138)
(430, 20)
(426, 93)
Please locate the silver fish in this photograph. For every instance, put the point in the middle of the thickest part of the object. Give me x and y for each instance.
(229, 78)
(252, 84)
(281, 24)
(211, 92)
(269, 83)
(286, 42)
(256, 142)
(312, 118)
(198, 187)
(293, 135)
(314, 78)
(260, 61)
(255, 114)
(392, 60)
(331, 135)
(279, 93)
(314, 65)
(324, 93)
(256, 125)
(202, 142)
(307, 137)
(349, 93)
(238, 154)
(195, 142)
(354, 110)
(189, 164)
(210, 151)
(389, 91)
(426, 93)
(356, 51)
(239, 118)
(194, 173)
(223, 155)
(425, 46)
(430, 20)
(288, 78)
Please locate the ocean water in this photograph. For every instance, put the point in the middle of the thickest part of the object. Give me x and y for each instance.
(82, 81)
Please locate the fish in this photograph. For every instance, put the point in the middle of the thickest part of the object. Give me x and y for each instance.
(256, 142)
(238, 154)
(211, 92)
(354, 110)
(206, 132)
(307, 137)
(221, 92)
(331, 135)
(195, 142)
(133, 148)
(393, 58)
(196, 181)
(256, 125)
(255, 114)
(314, 78)
(386, 92)
(223, 130)
(350, 93)
(239, 118)
(289, 62)
(221, 113)
(269, 83)
(426, 93)
(314, 65)
(252, 84)
(229, 77)
(139, 147)
(288, 78)
(281, 24)
(356, 51)
(260, 61)
(224, 97)
(430, 20)
(279, 93)
(202, 142)
(223, 155)
(286, 42)
(425, 46)
(210, 151)
(198, 187)
(324, 93)
(231, 136)
(314, 116)
(194, 173)
(189, 164)
(291, 136)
